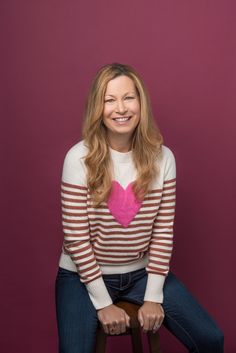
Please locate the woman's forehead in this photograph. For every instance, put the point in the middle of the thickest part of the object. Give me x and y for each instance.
(121, 84)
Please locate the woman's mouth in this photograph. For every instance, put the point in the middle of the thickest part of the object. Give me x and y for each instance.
(122, 119)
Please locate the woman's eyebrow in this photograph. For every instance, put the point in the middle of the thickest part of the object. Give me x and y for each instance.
(111, 95)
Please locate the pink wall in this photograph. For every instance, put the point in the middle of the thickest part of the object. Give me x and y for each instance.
(186, 53)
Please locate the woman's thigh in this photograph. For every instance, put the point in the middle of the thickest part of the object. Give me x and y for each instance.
(76, 315)
(188, 320)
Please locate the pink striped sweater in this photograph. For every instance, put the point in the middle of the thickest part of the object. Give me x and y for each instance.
(122, 235)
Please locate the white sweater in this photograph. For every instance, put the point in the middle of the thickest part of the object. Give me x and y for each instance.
(123, 234)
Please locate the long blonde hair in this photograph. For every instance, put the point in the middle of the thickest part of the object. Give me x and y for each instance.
(146, 141)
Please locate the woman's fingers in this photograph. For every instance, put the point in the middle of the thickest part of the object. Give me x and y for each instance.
(149, 321)
(127, 320)
(140, 318)
(117, 327)
(114, 328)
(156, 327)
(105, 328)
(150, 316)
(113, 319)
(158, 322)
(123, 325)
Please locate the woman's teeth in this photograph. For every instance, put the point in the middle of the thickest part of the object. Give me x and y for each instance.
(121, 119)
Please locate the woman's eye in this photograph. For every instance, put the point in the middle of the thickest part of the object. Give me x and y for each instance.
(109, 100)
(129, 97)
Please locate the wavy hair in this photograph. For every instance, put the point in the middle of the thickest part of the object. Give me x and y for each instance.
(146, 140)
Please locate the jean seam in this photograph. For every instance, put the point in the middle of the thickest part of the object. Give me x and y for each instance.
(186, 332)
(127, 284)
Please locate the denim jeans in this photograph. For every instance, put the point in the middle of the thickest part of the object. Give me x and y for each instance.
(184, 317)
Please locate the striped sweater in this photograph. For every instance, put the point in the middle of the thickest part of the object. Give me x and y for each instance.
(123, 234)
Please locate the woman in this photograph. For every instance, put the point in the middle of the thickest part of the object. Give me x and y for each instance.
(118, 204)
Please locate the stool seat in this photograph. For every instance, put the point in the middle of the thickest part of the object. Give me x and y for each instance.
(134, 331)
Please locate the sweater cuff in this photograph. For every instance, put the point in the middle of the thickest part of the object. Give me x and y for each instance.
(98, 293)
(154, 288)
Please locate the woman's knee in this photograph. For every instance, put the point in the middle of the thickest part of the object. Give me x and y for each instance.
(211, 341)
(217, 340)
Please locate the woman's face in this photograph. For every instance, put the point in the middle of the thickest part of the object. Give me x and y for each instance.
(121, 112)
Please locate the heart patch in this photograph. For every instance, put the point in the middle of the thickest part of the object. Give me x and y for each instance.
(123, 203)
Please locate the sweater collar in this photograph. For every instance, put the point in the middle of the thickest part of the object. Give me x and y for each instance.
(121, 157)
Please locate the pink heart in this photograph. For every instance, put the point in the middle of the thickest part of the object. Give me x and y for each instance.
(123, 204)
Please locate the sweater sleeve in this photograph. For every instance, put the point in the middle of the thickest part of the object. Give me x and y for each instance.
(161, 244)
(76, 242)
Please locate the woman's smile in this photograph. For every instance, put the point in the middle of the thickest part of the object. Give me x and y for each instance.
(122, 120)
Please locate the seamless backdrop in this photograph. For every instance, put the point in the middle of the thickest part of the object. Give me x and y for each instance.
(185, 51)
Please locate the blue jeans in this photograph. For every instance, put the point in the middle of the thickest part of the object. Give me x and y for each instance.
(184, 317)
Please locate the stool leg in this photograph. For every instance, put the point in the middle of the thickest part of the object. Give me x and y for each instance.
(154, 342)
(136, 340)
(101, 341)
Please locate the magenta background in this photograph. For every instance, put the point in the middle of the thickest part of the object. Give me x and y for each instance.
(185, 51)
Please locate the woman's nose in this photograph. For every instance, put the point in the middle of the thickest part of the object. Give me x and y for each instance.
(120, 107)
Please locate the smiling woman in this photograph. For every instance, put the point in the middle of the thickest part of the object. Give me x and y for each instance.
(118, 92)
(118, 209)
(121, 113)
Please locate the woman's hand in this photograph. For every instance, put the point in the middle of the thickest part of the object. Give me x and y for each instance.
(150, 316)
(113, 319)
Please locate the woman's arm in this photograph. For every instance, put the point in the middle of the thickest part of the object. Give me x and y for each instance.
(151, 313)
(161, 245)
(78, 246)
(76, 228)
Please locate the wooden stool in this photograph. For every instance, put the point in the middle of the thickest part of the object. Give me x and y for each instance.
(134, 330)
